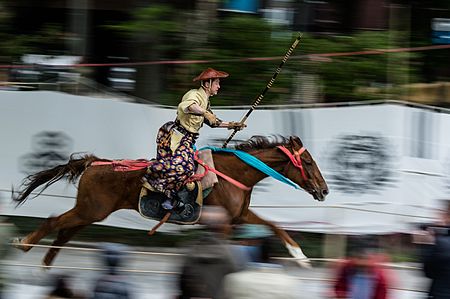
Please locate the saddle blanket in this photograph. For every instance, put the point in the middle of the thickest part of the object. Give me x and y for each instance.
(207, 180)
(125, 165)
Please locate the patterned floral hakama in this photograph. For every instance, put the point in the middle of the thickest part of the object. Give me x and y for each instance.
(169, 173)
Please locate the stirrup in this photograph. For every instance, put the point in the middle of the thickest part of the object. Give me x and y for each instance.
(179, 206)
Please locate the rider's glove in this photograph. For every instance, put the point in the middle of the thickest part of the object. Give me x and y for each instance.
(234, 125)
(211, 119)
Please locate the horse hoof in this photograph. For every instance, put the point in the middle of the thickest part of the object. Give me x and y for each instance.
(301, 259)
(17, 243)
(305, 263)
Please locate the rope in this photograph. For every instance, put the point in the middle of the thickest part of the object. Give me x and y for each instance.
(221, 174)
(136, 271)
(88, 268)
(96, 249)
(250, 59)
(387, 265)
(335, 207)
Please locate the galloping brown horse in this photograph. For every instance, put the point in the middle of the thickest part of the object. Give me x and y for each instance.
(102, 190)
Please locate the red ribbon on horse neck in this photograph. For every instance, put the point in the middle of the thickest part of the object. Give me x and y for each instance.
(295, 158)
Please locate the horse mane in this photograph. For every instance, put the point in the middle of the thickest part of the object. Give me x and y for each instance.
(263, 142)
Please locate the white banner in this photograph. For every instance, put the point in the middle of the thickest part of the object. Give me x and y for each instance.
(386, 164)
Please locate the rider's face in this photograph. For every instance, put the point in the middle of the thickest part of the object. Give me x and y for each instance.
(215, 86)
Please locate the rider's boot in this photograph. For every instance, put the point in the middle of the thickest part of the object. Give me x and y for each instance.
(168, 204)
(172, 204)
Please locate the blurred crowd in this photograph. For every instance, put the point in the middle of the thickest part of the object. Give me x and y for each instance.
(233, 262)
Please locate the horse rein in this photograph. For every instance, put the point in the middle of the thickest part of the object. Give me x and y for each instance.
(207, 168)
(295, 158)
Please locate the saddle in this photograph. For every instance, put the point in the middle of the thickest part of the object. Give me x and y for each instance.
(150, 205)
(191, 196)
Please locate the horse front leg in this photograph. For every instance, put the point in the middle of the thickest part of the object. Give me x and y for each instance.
(292, 246)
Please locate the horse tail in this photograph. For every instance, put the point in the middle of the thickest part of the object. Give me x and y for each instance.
(71, 171)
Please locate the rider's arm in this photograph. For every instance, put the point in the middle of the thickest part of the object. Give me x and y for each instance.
(210, 118)
(195, 109)
(232, 125)
(224, 124)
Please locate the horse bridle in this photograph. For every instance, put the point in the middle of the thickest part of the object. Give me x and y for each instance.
(295, 158)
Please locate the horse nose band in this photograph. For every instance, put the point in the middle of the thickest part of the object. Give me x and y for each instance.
(295, 159)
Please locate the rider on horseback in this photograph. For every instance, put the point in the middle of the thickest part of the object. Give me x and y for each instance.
(175, 153)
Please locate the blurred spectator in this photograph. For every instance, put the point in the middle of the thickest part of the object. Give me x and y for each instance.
(261, 278)
(209, 259)
(434, 242)
(62, 289)
(250, 241)
(112, 285)
(361, 276)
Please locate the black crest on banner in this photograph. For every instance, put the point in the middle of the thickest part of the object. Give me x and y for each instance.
(49, 149)
(360, 164)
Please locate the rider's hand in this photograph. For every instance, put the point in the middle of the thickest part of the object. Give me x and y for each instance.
(233, 125)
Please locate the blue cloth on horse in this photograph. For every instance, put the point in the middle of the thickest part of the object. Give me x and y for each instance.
(256, 163)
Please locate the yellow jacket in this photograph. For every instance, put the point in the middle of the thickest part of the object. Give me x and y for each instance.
(192, 122)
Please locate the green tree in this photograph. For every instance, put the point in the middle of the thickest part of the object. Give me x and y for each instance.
(49, 39)
(155, 33)
(160, 33)
(232, 41)
(12, 46)
(347, 78)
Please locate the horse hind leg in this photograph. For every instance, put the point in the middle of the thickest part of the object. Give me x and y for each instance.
(292, 246)
(66, 220)
(44, 229)
(63, 237)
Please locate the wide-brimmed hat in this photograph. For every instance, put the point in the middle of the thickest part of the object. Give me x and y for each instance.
(210, 73)
(251, 232)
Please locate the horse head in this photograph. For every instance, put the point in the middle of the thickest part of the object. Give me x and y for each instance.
(302, 169)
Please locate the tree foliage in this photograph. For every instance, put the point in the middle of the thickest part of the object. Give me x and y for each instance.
(230, 43)
(48, 39)
(11, 46)
(155, 24)
(344, 76)
(234, 41)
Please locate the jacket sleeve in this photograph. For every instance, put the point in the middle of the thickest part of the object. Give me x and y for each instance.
(192, 99)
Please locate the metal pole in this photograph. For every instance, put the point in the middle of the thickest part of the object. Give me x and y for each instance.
(268, 86)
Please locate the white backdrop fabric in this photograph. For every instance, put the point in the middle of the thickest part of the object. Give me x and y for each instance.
(386, 164)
